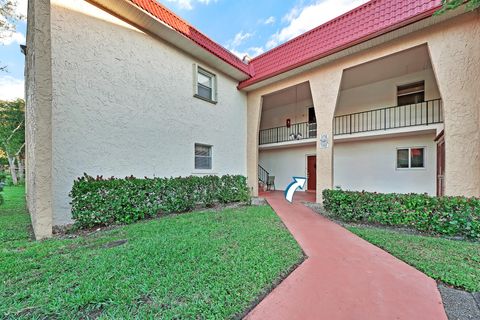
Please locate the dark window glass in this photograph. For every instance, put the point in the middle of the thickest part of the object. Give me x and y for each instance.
(411, 93)
(205, 84)
(204, 92)
(203, 156)
(417, 157)
(402, 158)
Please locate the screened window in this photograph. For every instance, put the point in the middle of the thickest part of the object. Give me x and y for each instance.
(410, 158)
(411, 93)
(205, 86)
(203, 156)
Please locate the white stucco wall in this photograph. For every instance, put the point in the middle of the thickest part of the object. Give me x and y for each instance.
(123, 104)
(370, 165)
(286, 163)
(383, 93)
(277, 116)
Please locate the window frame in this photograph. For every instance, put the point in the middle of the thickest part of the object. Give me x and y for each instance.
(410, 158)
(410, 86)
(195, 156)
(198, 69)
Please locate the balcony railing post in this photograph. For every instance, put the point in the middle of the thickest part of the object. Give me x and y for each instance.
(384, 119)
(350, 123)
(427, 114)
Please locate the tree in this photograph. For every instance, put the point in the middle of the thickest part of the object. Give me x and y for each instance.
(448, 5)
(12, 135)
(8, 18)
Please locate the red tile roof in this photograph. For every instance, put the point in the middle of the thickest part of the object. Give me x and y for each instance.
(365, 22)
(183, 27)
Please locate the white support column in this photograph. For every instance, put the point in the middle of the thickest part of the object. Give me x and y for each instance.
(254, 111)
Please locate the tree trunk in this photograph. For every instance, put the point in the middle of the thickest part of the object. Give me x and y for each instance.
(11, 165)
(21, 169)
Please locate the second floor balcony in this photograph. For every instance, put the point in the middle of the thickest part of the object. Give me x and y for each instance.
(376, 120)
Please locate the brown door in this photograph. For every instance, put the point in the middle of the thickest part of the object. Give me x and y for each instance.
(312, 173)
(440, 166)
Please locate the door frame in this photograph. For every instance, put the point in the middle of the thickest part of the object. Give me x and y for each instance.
(440, 155)
(306, 169)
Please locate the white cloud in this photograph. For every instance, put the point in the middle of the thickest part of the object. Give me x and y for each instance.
(269, 20)
(12, 37)
(251, 52)
(22, 7)
(189, 4)
(302, 19)
(11, 88)
(239, 38)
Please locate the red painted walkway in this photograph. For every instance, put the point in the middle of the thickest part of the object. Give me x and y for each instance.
(344, 276)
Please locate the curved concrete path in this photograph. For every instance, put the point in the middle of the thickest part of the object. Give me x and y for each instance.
(344, 276)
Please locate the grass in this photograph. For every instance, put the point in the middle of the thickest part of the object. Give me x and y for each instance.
(456, 263)
(200, 265)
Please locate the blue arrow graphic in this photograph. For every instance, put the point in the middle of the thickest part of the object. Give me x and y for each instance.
(298, 182)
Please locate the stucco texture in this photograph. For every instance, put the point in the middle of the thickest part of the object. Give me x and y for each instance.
(38, 85)
(454, 47)
(123, 105)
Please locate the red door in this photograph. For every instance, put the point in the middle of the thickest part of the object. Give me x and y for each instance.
(312, 173)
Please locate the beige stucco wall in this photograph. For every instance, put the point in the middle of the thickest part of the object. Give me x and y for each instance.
(38, 114)
(123, 104)
(454, 47)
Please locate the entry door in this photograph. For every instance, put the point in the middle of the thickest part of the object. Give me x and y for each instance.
(312, 173)
(440, 166)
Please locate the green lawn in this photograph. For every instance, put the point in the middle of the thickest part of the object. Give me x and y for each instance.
(200, 265)
(454, 262)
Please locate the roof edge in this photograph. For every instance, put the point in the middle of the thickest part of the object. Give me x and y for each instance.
(251, 81)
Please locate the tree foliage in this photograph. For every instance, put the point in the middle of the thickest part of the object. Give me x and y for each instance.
(12, 133)
(448, 5)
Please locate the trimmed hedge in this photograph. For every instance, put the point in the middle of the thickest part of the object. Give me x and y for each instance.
(451, 216)
(101, 202)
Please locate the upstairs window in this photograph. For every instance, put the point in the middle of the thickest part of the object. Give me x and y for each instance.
(411, 93)
(410, 158)
(205, 86)
(203, 156)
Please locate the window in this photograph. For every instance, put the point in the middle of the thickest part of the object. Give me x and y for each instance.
(410, 158)
(205, 85)
(411, 93)
(203, 156)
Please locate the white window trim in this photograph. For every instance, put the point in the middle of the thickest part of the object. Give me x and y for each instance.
(410, 158)
(213, 76)
(203, 171)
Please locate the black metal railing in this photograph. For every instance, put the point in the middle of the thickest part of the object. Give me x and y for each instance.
(262, 174)
(423, 113)
(297, 131)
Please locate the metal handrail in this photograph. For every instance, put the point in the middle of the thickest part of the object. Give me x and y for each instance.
(422, 113)
(296, 131)
(263, 174)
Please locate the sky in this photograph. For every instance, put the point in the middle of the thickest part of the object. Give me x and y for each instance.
(246, 27)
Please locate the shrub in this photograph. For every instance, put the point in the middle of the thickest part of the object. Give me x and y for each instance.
(98, 201)
(451, 216)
